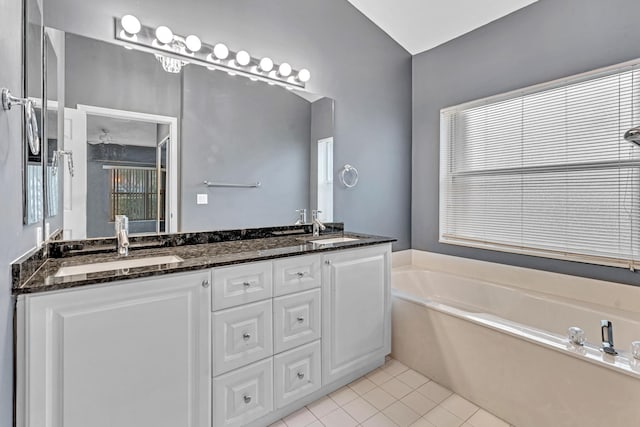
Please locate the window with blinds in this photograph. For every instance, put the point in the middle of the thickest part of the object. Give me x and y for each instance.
(545, 170)
(137, 192)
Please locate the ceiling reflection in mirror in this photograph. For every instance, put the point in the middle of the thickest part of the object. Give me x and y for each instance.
(143, 142)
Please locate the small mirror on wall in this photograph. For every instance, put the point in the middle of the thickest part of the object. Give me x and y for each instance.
(32, 179)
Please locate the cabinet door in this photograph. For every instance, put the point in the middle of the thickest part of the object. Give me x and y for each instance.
(133, 354)
(355, 310)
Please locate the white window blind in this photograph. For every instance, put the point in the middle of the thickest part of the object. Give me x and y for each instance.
(545, 170)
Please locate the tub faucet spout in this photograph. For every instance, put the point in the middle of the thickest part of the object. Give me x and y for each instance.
(122, 234)
(606, 329)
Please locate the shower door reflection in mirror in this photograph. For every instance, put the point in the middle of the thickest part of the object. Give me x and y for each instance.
(125, 166)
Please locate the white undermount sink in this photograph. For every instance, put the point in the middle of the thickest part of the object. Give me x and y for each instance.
(116, 265)
(333, 240)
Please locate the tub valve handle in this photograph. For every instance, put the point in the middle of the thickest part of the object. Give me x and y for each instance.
(606, 329)
(576, 335)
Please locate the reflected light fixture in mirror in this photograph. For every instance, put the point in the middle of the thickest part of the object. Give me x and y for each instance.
(130, 27)
(175, 51)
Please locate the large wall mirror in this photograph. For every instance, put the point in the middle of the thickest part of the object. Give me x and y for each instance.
(175, 152)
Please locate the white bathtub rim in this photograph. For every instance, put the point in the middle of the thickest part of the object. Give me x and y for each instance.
(617, 296)
(604, 308)
(624, 363)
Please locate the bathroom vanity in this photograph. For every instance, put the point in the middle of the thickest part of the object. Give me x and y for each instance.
(239, 332)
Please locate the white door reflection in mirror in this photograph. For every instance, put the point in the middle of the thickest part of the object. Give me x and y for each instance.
(126, 165)
(325, 179)
(74, 221)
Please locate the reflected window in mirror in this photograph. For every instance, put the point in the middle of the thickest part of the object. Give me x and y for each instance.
(325, 179)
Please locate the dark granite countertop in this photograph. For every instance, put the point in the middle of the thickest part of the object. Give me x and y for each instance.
(195, 257)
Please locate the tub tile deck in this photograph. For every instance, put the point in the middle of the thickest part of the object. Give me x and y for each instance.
(392, 396)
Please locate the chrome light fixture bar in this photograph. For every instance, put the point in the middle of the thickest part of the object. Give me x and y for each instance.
(175, 51)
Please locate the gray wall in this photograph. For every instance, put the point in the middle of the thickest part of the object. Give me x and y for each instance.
(106, 75)
(545, 41)
(15, 238)
(351, 60)
(238, 131)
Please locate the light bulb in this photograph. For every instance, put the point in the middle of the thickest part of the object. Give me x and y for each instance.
(304, 75)
(284, 70)
(193, 43)
(164, 34)
(127, 36)
(221, 51)
(131, 24)
(243, 58)
(266, 64)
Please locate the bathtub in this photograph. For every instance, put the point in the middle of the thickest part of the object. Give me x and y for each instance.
(505, 348)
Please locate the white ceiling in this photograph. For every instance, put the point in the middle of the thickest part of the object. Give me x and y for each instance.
(121, 131)
(419, 25)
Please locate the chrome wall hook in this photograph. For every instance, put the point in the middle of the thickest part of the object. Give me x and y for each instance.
(31, 121)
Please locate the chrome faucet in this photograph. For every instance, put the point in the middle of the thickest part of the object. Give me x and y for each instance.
(317, 224)
(606, 329)
(122, 231)
(302, 217)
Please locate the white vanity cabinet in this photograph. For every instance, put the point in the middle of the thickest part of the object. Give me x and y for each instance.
(356, 313)
(129, 354)
(232, 346)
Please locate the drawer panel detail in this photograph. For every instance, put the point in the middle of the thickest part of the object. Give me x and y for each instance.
(244, 395)
(296, 274)
(297, 373)
(242, 335)
(296, 319)
(241, 284)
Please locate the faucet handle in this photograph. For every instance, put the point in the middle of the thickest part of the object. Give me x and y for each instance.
(606, 330)
(122, 223)
(302, 216)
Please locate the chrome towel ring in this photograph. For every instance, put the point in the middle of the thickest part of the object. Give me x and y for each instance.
(30, 118)
(349, 176)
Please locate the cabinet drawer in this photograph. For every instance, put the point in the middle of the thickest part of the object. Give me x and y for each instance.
(297, 373)
(244, 395)
(241, 335)
(296, 319)
(241, 284)
(296, 274)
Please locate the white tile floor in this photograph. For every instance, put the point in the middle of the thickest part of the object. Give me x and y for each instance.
(392, 396)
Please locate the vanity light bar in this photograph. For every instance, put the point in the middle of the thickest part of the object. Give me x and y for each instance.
(174, 51)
